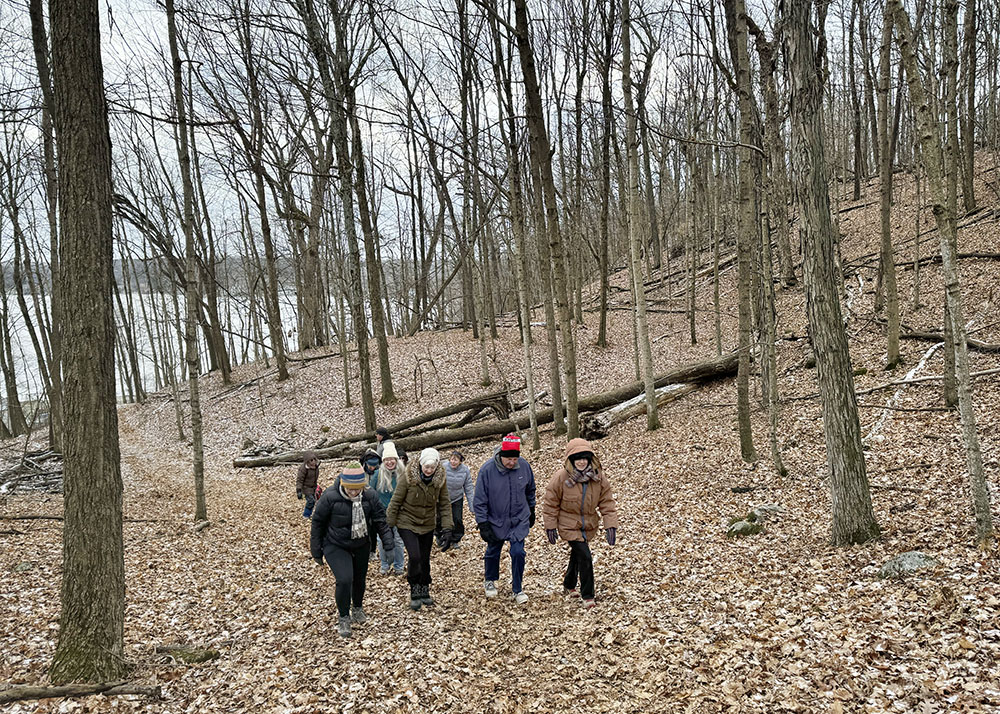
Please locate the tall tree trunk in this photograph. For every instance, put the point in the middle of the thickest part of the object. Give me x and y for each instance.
(888, 260)
(40, 45)
(541, 155)
(944, 217)
(636, 235)
(970, 52)
(191, 296)
(853, 519)
(375, 286)
(747, 223)
(91, 624)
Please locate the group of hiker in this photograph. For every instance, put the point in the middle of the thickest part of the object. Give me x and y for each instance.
(387, 503)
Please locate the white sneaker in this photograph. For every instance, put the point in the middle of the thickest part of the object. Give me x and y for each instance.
(521, 597)
(491, 588)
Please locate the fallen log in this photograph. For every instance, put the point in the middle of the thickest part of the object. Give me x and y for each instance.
(597, 426)
(20, 693)
(974, 345)
(699, 372)
(496, 402)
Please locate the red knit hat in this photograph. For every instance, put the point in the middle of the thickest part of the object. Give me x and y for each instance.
(511, 445)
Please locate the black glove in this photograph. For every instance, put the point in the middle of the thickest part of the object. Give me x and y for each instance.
(610, 534)
(486, 533)
(552, 534)
(298, 494)
(319, 561)
(446, 541)
(387, 550)
(531, 517)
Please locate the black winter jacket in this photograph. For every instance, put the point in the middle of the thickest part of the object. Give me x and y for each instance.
(331, 522)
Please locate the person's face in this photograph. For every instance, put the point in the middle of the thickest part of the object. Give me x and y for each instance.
(390, 463)
(454, 461)
(379, 438)
(509, 462)
(353, 491)
(581, 464)
(428, 469)
(312, 463)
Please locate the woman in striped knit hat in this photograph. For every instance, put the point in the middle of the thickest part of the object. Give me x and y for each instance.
(341, 521)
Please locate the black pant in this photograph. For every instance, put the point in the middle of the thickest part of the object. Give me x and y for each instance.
(418, 553)
(458, 527)
(350, 570)
(581, 564)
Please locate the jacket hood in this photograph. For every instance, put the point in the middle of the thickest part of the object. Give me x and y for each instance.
(309, 456)
(413, 474)
(578, 446)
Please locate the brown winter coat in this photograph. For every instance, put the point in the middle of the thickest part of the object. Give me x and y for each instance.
(572, 510)
(307, 478)
(416, 506)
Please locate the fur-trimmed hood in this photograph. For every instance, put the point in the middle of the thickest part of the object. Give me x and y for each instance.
(413, 475)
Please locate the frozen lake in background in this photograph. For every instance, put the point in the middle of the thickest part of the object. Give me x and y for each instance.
(234, 312)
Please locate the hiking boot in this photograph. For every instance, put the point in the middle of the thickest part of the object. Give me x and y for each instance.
(571, 593)
(588, 603)
(383, 571)
(415, 601)
(425, 596)
(358, 616)
(344, 626)
(307, 512)
(491, 588)
(456, 545)
(398, 571)
(520, 598)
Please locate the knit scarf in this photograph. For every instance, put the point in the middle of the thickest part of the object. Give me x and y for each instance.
(359, 529)
(576, 476)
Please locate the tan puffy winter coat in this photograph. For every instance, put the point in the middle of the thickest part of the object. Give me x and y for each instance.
(573, 510)
(416, 506)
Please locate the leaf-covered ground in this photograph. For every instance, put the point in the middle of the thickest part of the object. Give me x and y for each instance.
(686, 619)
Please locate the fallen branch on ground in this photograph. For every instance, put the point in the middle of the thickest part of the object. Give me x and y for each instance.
(108, 689)
(974, 345)
(597, 426)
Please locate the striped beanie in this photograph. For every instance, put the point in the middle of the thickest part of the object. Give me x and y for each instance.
(353, 475)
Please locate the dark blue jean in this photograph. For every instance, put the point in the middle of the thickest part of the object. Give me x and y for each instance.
(492, 562)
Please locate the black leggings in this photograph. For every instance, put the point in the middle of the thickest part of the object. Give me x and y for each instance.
(418, 552)
(581, 564)
(350, 570)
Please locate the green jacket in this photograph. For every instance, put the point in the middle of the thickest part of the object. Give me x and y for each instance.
(416, 506)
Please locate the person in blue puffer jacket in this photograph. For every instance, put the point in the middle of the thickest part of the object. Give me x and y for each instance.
(504, 506)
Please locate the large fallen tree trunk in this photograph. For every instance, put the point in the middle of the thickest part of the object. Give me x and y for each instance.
(698, 373)
(597, 426)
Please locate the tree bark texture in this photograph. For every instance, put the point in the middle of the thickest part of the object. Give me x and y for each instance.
(91, 622)
(853, 519)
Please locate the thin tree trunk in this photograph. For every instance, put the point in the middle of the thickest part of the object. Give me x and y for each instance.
(636, 234)
(888, 260)
(541, 156)
(944, 217)
(747, 224)
(191, 277)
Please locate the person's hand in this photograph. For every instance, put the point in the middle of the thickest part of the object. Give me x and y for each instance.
(298, 494)
(531, 517)
(610, 534)
(552, 534)
(319, 561)
(486, 532)
(446, 542)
